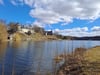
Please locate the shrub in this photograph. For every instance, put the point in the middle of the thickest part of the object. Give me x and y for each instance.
(16, 37)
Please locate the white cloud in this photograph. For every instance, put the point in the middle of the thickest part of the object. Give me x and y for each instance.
(1, 2)
(13, 2)
(57, 31)
(84, 29)
(80, 32)
(17, 2)
(29, 2)
(39, 24)
(54, 11)
(46, 17)
(96, 28)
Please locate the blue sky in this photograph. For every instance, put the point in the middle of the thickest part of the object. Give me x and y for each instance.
(67, 17)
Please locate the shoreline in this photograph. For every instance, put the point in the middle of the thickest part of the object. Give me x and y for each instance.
(77, 63)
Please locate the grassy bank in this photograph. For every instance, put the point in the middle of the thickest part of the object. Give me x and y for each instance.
(82, 62)
(92, 61)
(19, 36)
(93, 54)
(35, 37)
(40, 37)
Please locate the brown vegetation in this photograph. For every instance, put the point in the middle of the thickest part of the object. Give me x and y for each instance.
(16, 37)
(13, 27)
(73, 63)
(82, 62)
(3, 32)
(38, 29)
(19, 36)
(40, 37)
(93, 54)
(3, 46)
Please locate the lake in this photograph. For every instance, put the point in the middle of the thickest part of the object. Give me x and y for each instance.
(30, 58)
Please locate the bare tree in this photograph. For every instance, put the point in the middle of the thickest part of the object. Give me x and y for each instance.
(38, 29)
(13, 27)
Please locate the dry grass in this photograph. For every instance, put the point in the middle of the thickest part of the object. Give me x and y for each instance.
(34, 37)
(3, 32)
(40, 37)
(84, 62)
(93, 54)
(19, 36)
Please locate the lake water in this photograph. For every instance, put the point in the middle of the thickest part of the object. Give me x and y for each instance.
(28, 57)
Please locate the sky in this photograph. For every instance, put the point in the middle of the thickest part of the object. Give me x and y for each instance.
(66, 17)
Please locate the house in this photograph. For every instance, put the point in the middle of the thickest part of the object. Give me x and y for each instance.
(48, 33)
(26, 30)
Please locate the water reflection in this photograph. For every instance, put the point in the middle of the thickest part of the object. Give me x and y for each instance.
(3, 46)
(28, 57)
(16, 44)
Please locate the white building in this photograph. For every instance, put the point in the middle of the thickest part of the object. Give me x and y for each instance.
(26, 30)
